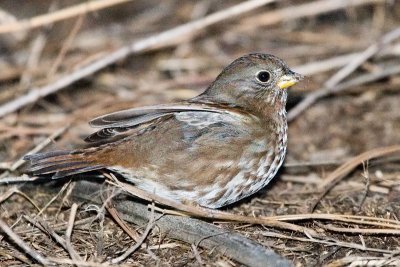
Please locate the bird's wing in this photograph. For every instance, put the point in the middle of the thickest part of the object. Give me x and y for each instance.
(119, 122)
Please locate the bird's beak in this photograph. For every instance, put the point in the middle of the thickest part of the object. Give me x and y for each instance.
(289, 79)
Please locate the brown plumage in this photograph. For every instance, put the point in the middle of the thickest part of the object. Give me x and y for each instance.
(213, 150)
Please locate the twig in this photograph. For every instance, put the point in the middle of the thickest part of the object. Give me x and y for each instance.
(69, 262)
(20, 243)
(114, 214)
(301, 166)
(66, 45)
(301, 11)
(367, 179)
(64, 200)
(363, 79)
(197, 254)
(20, 256)
(15, 37)
(164, 39)
(350, 261)
(65, 186)
(33, 60)
(18, 179)
(366, 78)
(107, 203)
(363, 57)
(333, 62)
(38, 45)
(10, 131)
(14, 190)
(74, 256)
(61, 14)
(355, 219)
(332, 85)
(36, 149)
(45, 228)
(61, 226)
(347, 167)
(329, 242)
(325, 65)
(132, 249)
(364, 231)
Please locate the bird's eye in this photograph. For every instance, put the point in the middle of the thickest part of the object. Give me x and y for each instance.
(263, 76)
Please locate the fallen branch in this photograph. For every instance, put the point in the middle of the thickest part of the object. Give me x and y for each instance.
(186, 229)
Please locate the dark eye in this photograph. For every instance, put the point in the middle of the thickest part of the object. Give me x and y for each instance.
(263, 76)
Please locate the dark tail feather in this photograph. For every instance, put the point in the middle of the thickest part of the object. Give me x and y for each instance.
(61, 163)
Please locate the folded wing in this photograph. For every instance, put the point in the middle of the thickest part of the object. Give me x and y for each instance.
(120, 122)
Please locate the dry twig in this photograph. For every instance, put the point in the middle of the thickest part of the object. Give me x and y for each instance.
(355, 219)
(14, 190)
(73, 254)
(197, 254)
(18, 179)
(66, 45)
(65, 186)
(301, 11)
(132, 249)
(38, 45)
(333, 86)
(61, 14)
(353, 261)
(20, 243)
(357, 230)
(36, 149)
(326, 241)
(347, 167)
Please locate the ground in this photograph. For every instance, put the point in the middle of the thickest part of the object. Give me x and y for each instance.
(330, 132)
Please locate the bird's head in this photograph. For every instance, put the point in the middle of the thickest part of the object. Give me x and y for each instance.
(252, 80)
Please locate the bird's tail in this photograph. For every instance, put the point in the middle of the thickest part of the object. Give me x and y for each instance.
(61, 163)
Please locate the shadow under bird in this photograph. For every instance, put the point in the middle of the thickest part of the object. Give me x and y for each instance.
(212, 150)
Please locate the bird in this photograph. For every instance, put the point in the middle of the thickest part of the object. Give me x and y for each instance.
(211, 150)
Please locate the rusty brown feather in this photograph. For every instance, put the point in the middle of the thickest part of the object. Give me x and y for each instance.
(212, 150)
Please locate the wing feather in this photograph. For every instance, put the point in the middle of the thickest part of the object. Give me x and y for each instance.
(116, 123)
(134, 116)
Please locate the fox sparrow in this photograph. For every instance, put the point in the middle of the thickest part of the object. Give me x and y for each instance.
(213, 149)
